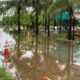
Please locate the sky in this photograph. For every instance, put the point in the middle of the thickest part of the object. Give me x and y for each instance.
(5, 0)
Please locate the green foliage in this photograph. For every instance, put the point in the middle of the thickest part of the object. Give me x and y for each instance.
(0, 22)
(2, 71)
(5, 78)
(76, 22)
(7, 20)
(26, 19)
(3, 75)
(10, 20)
(52, 22)
(40, 19)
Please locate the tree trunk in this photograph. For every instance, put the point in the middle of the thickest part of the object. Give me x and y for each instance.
(70, 29)
(18, 27)
(60, 30)
(54, 24)
(70, 22)
(73, 27)
(19, 17)
(37, 31)
(48, 25)
(45, 22)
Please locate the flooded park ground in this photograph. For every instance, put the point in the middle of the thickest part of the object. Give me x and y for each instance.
(39, 53)
(37, 57)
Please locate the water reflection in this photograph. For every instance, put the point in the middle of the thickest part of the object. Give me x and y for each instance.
(76, 55)
(42, 56)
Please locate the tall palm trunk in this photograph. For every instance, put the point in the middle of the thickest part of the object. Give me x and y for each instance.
(48, 25)
(70, 28)
(73, 27)
(70, 22)
(60, 30)
(37, 31)
(45, 22)
(54, 24)
(18, 27)
(19, 17)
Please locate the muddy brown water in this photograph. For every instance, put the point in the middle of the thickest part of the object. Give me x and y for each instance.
(51, 58)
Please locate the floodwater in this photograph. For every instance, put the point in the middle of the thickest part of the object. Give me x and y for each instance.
(76, 56)
(39, 56)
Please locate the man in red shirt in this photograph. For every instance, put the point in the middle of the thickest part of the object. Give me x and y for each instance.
(6, 52)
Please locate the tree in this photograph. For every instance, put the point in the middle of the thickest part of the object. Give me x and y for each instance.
(46, 9)
(27, 19)
(70, 10)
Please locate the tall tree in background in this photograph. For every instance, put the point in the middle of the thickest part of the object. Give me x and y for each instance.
(19, 17)
(48, 24)
(70, 10)
(18, 9)
(37, 7)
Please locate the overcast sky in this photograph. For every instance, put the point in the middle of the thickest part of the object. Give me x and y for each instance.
(5, 0)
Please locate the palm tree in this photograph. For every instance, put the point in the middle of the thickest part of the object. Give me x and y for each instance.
(70, 10)
(46, 5)
(36, 8)
(18, 11)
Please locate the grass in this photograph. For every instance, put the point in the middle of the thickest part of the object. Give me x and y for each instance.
(61, 37)
(3, 75)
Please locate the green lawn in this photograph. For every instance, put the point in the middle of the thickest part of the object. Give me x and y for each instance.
(60, 37)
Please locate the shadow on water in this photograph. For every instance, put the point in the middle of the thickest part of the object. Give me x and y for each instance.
(41, 56)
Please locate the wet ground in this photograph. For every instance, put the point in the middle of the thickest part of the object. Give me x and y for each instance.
(47, 57)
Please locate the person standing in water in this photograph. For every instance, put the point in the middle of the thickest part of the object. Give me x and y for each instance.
(6, 51)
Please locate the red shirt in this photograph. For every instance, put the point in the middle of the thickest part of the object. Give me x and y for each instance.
(6, 51)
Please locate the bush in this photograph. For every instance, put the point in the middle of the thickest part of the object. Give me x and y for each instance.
(3, 75)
